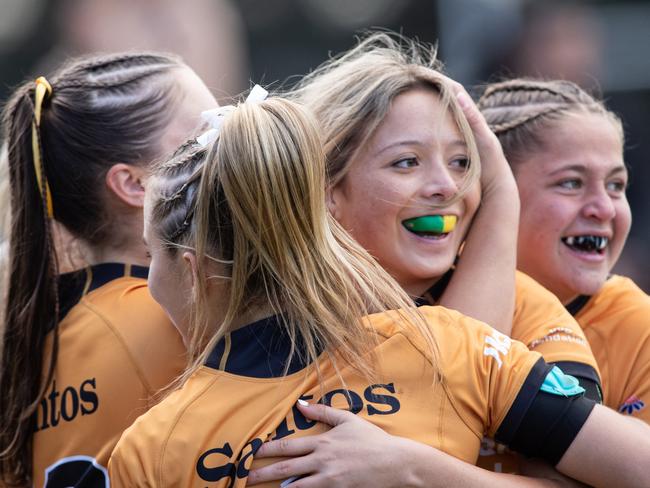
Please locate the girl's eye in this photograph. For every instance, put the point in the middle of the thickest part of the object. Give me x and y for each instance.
(570, 184)
(405, 163)
(460, 162)
(617, 186)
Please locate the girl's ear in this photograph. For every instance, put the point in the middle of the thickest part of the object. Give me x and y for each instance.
(189, 260)
(125, 181)
(333, 197)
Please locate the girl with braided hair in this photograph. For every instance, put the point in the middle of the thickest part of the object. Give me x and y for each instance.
(402, 152)
(566, 152)
(85, 352)
(272, 297)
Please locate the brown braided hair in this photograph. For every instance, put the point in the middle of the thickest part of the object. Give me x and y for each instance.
(519, 111)
(102, 110)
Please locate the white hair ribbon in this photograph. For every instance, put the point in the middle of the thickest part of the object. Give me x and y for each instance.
(216, 116)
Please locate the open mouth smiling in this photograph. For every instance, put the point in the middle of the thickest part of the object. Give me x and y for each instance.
(590, 244)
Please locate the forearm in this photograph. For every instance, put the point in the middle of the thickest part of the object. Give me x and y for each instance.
(538, 468)
(483, 284)
(609, 450)
(425, 467)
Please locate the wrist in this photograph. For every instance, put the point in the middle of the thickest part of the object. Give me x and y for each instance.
(416, 461)
(502, 197)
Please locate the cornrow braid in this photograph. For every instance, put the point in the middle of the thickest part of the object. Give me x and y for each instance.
(519, 111)
(523, 85)
(128, 59)
(175, 185)
(499, 129)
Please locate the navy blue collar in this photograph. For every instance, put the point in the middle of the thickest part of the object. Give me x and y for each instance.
(73, 286)
(577, 304)
(258, 350)
(435, 292)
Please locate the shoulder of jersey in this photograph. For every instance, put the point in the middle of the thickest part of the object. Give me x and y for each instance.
(125, 287)
(153, 431)
(126, 300)
(620, 300)
(623, 289)
(454, 332)
(535, 308)
(528, 289)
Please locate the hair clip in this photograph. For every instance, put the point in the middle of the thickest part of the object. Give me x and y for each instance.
(42, 90)
(215, 117)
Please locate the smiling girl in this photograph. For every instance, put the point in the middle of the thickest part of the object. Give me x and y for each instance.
(399, 154)
(272, 296)
(566, 152)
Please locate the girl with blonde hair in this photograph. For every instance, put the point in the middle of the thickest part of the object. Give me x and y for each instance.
(280, 306)
(400, 157)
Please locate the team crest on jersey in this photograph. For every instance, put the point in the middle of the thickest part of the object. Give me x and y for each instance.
(632, 405)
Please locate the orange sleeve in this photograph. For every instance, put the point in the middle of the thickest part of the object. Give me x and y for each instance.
(543, 324)
(132, 461)
(637, 396)
(626, 319)
(507, 365)
(487, 383)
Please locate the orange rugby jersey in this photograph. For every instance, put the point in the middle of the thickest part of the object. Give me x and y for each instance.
(117, 348)
(616, 320)
(206, 433)
(542, 323)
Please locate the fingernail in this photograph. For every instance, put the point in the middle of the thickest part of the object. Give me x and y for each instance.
(303, 402)
(463, 99)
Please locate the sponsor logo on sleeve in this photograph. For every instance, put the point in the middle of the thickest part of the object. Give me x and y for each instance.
(632, 405)
(497, 346)
(558, 334)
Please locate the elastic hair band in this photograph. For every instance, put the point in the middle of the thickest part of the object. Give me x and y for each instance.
(43, 89)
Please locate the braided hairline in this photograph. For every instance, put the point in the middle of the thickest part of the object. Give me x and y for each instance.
(568, 102)
(93, 64)
(159, 64)
(509, 87)
(513, 124)
(180, 194)
(108, 84)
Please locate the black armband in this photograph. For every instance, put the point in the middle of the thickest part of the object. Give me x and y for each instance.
(541, 424)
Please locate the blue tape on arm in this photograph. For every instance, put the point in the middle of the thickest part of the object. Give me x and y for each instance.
(558, 383)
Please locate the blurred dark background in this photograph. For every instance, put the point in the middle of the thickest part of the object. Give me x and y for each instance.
(602, 45)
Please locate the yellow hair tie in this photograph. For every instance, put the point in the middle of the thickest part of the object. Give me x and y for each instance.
(43, 88)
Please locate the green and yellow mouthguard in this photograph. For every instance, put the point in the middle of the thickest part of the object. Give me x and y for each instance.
(435, 224)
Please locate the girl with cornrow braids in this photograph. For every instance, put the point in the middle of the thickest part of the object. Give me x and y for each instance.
(566, 152)
(84, 353)
(405, 146)
(272, 297)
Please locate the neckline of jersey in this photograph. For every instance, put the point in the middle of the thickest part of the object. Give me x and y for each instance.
(259, 350)
(76, 284)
